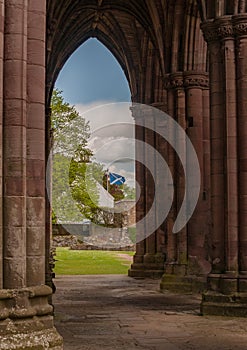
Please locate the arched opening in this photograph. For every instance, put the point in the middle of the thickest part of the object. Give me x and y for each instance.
(92, 75)
(157, 76)
(91, 136)
(161, 46)
(125, 32)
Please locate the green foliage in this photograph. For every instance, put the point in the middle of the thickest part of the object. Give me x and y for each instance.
(74, 180)
(129, 192)
(74, 194)
(90, 262)
(70, 130)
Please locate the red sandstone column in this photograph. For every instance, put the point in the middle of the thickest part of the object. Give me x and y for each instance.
(149, 138)
(48, 200)
(217, 149)
(179, 180)
(195, 133)
(231, 205)
(36, 144)
(14, 147)
(198, 225)
(161, 147)
(224, 157)
(1, 135)
(206, 154)
(137, 267)
(240, 29)
(171, 244)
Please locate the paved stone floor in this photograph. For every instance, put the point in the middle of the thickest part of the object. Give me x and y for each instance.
(117, 312)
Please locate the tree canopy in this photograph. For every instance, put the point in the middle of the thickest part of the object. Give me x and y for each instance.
(75, 175)
(73, 198)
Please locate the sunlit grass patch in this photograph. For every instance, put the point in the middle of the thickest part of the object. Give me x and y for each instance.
(91, 262)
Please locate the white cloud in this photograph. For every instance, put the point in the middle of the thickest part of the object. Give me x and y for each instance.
(112, 136)
(105, 113)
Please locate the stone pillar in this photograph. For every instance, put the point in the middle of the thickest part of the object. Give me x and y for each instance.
(162, 150)
(36, 146)
(225, 283)
(180, 115)
(240, 30)
(196, 84)
(176, 247)
(137, 268)
(1, 136)
(49, 260)
(149, 259)
(149, 137)
(26, 320)
(14, 146)
(171, 242)
(188, 267)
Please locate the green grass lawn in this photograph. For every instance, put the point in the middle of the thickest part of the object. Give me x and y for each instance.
(91, 262)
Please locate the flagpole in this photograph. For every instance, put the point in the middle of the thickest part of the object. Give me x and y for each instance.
(107, 184)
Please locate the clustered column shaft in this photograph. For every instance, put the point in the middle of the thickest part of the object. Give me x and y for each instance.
(14, 147)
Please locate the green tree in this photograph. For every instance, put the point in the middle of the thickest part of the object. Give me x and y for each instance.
(75, 176)
(74, 195)
(70, 130)
(129, 192)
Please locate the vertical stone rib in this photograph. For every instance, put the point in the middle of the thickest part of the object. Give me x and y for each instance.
(1, 136)
(171, 243)
(161, 183)
(206, 147)
(36, 144)
(150, 185)
(206, 166)
(231, 214)
(48, 201)
(137, 266)
(179, 176)
(14, 147)
(240, 28)
(217, 132)
(196, 225)
(171, 238)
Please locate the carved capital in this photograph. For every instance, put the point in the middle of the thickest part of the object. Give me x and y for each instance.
(218, 29)
(186, 80)
(240, 25)
(195, 80)
(177, 80)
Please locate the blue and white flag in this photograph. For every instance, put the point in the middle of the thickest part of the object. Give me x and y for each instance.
(116, 179)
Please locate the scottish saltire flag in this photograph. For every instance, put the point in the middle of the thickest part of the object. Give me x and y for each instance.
(116, 179)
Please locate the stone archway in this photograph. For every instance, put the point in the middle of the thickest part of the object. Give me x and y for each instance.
(158, 76)
(120, 27)
(161, 48)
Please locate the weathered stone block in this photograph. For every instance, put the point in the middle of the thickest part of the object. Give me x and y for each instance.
(35, 144)
(218, 304)
(35, 211)
(25, 320)
(35, 270)
(14, 211)
(13, 237)
(36, 118)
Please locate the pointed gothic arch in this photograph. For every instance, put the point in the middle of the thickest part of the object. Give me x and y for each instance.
(172, 62)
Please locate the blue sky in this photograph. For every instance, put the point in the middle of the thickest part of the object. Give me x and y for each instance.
(91, 79)
(93, 74)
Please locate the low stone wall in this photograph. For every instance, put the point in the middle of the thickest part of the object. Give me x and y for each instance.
(74, 243)
(79, 230)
